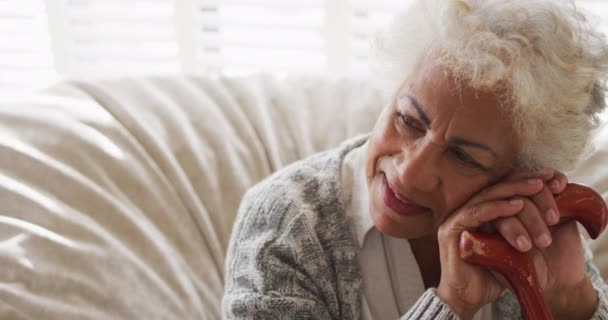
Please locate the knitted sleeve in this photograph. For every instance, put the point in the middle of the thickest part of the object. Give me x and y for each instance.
(279, 268)
(430, 306)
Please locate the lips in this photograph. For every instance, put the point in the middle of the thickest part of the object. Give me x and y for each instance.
(401, 206)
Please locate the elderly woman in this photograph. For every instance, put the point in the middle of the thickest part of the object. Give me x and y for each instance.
(491, 100)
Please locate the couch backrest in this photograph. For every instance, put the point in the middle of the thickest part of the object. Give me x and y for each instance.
(119, 196)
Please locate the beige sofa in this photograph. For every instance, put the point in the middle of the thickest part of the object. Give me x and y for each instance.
(117, 197)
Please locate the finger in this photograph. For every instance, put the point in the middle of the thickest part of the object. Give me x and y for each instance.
(565, 235)
(507, 190)
(534, 228)
(558, 183)
(545, 202)
(533, 222)
(543, 174)
(514, 232)
(474, 216)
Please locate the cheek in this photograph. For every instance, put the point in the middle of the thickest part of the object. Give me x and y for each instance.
(458, 190)
(384, 141)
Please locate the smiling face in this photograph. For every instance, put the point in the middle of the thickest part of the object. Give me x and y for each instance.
(434, 147)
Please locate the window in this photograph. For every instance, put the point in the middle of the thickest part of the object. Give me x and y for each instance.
(106, 37)
(47, 39)
(26, 59)
(244, 36)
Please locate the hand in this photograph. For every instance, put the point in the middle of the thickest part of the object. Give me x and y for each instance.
(561, 272)
(466, 288)
(560, 266)
(530, 226)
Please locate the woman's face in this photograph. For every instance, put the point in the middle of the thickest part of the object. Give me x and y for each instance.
(435, 146)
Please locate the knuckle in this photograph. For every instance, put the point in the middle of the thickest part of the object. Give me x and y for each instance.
(532, 219)
(540, 198)
(507, 225)
(511, 229)
(474, 212)
(443, 232)
(484, 194)
(525, 201)
(529, 205)
(544, 199)
(531, 211)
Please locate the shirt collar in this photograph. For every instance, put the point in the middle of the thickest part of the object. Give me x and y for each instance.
(356, 195)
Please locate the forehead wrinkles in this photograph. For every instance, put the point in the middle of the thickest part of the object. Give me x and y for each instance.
(444, 98)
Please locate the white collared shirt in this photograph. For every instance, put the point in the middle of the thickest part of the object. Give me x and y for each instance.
(392, 282)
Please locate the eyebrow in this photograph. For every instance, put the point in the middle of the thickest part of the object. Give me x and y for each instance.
(454, 141)
(416, 104)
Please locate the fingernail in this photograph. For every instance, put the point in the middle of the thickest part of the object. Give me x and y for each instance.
(543, 240)
(534, 181)
(523, 243)
(551, 216)
(554, 185)
(516, 202)
(545, 172)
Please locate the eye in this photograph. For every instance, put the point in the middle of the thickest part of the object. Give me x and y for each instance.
(409, 122)
(466, 159)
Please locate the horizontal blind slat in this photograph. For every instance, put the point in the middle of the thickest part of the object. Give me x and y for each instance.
(26, 61)
(120, 37)
(257, 35)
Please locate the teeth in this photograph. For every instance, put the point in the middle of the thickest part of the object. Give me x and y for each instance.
(398, 198)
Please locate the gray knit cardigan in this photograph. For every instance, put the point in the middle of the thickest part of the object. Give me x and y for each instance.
(293, 255)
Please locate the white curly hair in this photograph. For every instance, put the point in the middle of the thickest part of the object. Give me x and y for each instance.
(545, 54)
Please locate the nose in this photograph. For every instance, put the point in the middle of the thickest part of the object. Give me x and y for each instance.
(418, 166)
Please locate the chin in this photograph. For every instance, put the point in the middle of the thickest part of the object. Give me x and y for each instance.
(389, 223)
(415, 227)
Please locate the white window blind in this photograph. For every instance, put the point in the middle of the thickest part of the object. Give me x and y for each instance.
(240, 36)
(109, 37)
(45, 39)
(26, 60)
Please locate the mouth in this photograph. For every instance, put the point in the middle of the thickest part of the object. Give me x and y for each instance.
(398, 203)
